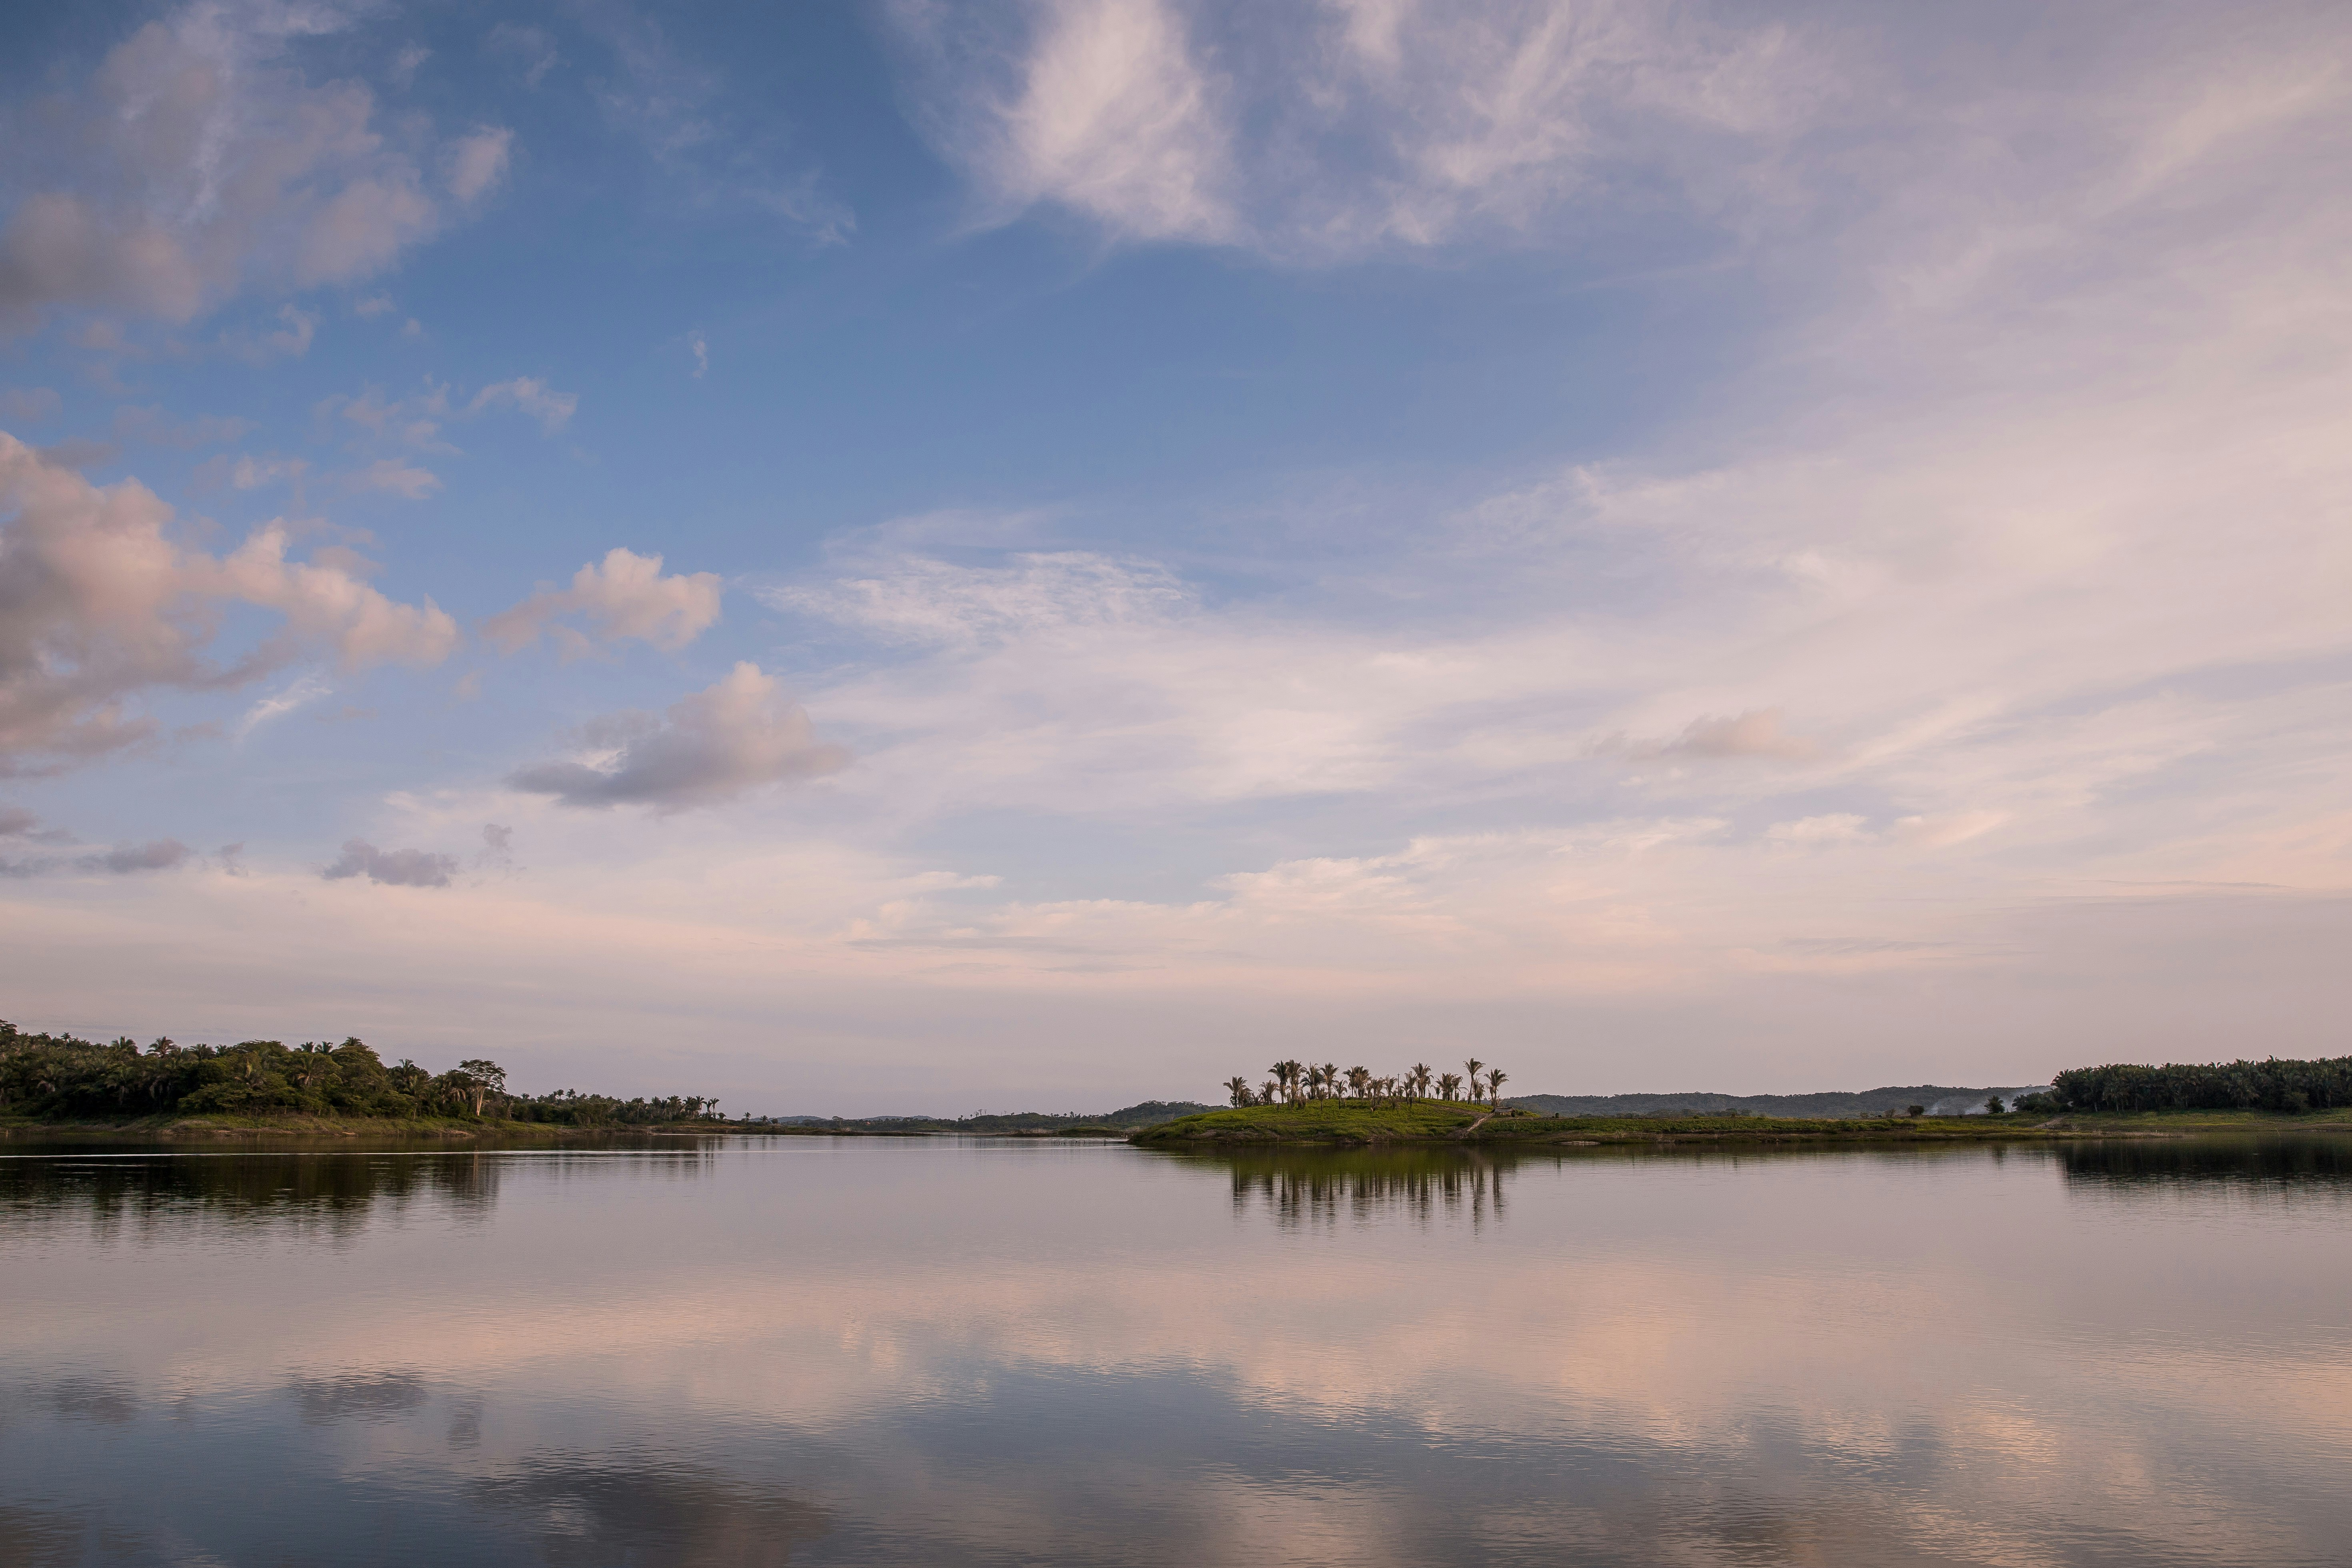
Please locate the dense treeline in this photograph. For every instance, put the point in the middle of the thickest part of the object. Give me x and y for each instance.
(58, 1076)
(2272, 1085)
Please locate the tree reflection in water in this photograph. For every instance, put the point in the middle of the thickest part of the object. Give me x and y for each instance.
(1316, 1188)
(290, 1191)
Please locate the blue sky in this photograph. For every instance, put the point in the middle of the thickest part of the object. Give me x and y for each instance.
(1658, 545)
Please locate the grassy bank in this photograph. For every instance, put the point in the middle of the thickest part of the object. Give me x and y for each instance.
(297, 1128)
(1338, 1122)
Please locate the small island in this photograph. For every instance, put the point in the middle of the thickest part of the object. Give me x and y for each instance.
(1322, 1105)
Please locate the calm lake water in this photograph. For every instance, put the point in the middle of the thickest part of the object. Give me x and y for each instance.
(812, 1350)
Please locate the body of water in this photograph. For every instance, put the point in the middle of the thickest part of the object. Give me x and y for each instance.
(815, 1350)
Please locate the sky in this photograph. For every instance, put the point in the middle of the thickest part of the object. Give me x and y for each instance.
(923, 557)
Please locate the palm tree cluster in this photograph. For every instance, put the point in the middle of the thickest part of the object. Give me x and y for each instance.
(1295, 1082)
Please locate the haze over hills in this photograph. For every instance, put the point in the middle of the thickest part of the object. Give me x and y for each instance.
(1941, 1100)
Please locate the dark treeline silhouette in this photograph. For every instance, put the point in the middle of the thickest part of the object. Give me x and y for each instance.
(57, 1077)
(2272, 1085)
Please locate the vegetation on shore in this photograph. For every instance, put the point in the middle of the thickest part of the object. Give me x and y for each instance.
(1347, 1122)
(54, 1079)
(1353, 1121)
(2276, 1085)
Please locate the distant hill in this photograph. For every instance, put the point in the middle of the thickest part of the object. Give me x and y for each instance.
(1941, 1100)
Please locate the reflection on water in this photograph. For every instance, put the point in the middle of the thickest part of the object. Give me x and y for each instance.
(1323, 1187)
(150, 1192)
(2315, 1167)
(812, 1350)
(625, 1510)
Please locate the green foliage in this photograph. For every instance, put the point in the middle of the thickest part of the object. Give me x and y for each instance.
(57, 1077)
(1334, 1120)
(2272, 1085)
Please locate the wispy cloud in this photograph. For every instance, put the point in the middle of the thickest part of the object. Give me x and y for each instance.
(202, 159)
(552, 409)
(303, 690)
(1318, 133)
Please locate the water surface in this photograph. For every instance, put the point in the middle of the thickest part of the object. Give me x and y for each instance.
(817, 1350)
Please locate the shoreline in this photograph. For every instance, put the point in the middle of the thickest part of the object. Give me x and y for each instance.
(1314, 1124)
(1354, 1124)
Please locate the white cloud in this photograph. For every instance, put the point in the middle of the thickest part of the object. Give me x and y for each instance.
(290, 339)
(478, 162)
(374, 305)
(705, 748)
(1756, 734)
(251, 473)
(917, 599)
(394, 477)
(701, 355)
(624, 596)
(1324, 131)
(405, 63)
(1837, 828)
(200, 159)
(303, 690)
(551, 409)
(409, 421)
(528, 49)
(1114, 117)
(99, 605)
(393, 868)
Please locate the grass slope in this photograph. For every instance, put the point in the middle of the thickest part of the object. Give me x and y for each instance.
(171, 1127)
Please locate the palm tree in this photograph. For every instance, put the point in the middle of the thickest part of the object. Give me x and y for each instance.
(1449, 1085)
(1495, 1078)
(1237, 1088)
(1267, 1094)
(1419, 1081)
(1360, 1082)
